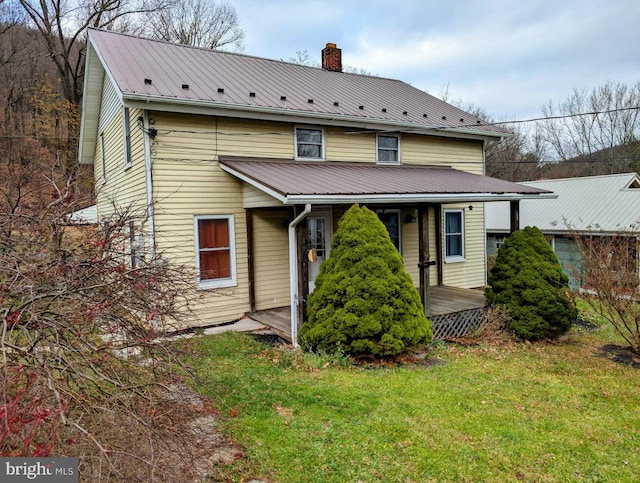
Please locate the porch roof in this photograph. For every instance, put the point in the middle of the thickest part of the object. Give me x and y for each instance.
(338, 182)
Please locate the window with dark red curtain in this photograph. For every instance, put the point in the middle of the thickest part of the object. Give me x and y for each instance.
(214, 249)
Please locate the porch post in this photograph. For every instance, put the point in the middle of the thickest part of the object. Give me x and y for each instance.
(439, 242)
(514, 213)
(423, 259)
(303, 272)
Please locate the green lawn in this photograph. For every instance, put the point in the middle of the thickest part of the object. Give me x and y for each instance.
(489, 412)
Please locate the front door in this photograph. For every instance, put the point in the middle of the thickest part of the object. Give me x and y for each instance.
(319, 232)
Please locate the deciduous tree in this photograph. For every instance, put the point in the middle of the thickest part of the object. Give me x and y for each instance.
(84, 370)
(610, 277)
(200, 23)
(595, 132)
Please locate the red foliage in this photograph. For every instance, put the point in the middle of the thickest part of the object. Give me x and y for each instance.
(28, 423)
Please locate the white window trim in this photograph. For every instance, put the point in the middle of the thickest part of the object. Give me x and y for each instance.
(220, 282)
(455, 258)
(398, 161)
(126, 126)
(295, 143)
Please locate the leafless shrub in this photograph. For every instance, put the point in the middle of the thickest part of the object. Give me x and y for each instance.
(84, 368)
(610, 280)
(494, 327)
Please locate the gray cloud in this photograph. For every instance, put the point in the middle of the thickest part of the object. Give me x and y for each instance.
(507, 57)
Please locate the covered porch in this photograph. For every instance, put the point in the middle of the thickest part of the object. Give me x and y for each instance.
(435, 215)
(453, 312)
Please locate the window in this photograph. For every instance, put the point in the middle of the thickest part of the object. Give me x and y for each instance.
(388, 149)
(103, 161)
(309, 144)
(391, 220)
(215, 260)
(127, 139)
(454, 235)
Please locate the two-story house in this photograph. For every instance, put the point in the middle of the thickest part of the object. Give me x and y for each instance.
(244, 166)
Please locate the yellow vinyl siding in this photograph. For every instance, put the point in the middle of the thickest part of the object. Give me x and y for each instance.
(409, 239)
(255, 198)
(254, 138)
(110, 104)
(187, 181)
(469, 273)
(126, 185)
(271, 258)
(341, 146)
(457, 153)
(91, 107)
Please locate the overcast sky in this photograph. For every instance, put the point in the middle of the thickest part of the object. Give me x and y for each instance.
(509, 57)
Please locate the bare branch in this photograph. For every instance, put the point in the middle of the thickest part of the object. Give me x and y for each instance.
(200, 23)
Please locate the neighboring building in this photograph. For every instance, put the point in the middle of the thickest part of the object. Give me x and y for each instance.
(594, 205)
(245, 165)
(85, 216)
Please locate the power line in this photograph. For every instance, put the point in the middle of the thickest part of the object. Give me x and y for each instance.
(561, 116)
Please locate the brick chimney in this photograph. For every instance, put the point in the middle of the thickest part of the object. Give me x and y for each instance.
(332, 58)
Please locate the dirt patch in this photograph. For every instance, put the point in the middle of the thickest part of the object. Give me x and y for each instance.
(620, 355)
(210, 448)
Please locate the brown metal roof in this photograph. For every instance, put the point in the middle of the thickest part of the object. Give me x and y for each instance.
(157, 70)
(345, 182)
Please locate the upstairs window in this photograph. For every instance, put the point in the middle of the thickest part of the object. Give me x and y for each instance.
(388, 149)
(215, 261)
(454, 235)
(309, 143)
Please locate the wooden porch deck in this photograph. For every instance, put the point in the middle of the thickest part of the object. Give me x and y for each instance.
(444, 301)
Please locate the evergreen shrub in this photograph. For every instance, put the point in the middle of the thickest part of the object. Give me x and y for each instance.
(364, 302)
(528, 281)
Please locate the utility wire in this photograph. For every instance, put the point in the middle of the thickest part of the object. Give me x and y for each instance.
(560, 116)
(440, 127)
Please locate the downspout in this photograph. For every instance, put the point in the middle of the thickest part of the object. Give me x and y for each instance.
(293, 272)
(484, 214)
(149, 183)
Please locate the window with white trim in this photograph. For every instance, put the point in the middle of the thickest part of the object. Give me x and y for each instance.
(127, 139)
(309, 143)
(454, 235)
(215, 251)
(388, 149)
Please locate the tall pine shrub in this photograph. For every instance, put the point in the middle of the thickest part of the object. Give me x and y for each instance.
(364, 301)
(528, 280)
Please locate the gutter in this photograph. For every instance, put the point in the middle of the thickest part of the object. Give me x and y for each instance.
(293, 273)
(277, 113)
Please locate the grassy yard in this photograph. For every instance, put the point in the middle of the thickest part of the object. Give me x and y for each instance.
(563, 411)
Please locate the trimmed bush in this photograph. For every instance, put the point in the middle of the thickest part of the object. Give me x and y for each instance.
(364, 301)
(528, 280)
